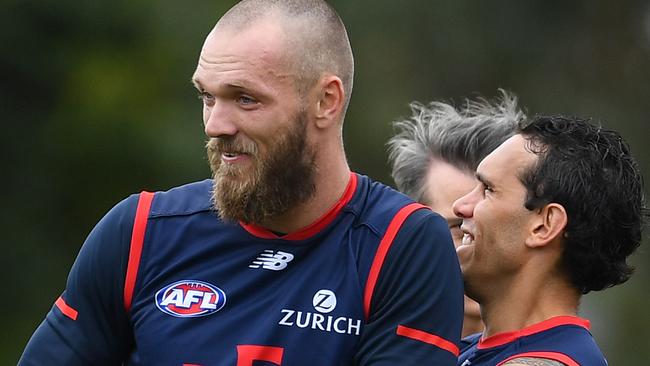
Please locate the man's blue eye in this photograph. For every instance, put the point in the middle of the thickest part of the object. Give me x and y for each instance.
(206, 98)
(244, 99)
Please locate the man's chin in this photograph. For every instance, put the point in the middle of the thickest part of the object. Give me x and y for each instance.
(228, 181)
(230, 171)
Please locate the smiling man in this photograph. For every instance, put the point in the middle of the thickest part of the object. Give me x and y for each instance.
(436, 151)
(558, 209)
(285, 256)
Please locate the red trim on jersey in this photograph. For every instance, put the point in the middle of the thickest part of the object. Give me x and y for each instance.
(137, 241)
(66, 309)
(382, 251)
(313, 228)
(429, 338)
(556, 356)
(507, 337)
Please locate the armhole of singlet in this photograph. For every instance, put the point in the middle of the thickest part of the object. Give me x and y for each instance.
(382, 251)
(137, 242)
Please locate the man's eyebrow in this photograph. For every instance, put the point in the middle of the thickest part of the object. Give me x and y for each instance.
(481, 178)
(196, 83)
(235, 84)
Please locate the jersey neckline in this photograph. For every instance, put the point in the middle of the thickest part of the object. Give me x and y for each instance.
(500, 339)
(313, 228)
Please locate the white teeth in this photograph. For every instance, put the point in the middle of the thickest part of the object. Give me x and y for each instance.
(467, 239)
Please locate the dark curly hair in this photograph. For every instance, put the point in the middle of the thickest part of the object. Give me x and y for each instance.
(592, 174)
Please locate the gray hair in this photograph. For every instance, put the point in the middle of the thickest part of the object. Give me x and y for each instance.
(461, 137)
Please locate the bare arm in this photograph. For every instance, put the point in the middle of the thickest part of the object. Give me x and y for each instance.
(532, 361)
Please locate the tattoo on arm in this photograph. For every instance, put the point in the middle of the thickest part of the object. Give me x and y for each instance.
(530, 361)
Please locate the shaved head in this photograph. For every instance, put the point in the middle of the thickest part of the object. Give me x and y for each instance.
(316, 42)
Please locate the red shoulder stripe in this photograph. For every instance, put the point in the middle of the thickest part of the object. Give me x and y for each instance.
(137, 241)
(66, 309)
(556, 356)
(382, 251)
(429, 338)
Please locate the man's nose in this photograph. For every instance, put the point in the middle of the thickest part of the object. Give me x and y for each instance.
(464, 206)
(218, 122)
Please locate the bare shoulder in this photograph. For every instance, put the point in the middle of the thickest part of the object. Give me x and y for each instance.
(532, 361)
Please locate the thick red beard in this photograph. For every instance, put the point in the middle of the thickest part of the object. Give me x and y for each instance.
(273, 185)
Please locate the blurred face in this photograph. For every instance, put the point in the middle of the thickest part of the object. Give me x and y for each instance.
(445, 184)
(253, 116)
(495, 220)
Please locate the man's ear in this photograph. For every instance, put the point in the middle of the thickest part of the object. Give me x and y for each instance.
(548, 224)
(329, 100)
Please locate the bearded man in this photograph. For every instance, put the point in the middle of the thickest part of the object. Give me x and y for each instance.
(285, 256)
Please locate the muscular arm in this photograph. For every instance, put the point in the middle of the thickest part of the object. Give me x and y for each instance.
(532, 361)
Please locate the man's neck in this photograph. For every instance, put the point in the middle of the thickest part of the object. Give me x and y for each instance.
(526, 301)
(329, 190)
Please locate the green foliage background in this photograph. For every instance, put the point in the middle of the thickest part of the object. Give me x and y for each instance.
(96, 104)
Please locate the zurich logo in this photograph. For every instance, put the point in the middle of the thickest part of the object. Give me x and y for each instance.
(324, 301)
(190, 299)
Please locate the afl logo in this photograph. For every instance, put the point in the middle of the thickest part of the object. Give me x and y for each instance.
(190, 299)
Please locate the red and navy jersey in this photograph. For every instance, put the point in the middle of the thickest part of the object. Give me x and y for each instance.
(565, 339)
(161, 280)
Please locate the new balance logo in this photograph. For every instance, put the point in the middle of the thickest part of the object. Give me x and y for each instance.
(466, 363)
(275, 261)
